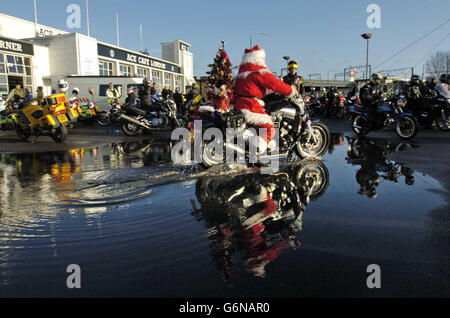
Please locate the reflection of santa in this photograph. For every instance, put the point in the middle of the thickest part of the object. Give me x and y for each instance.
(252, 83)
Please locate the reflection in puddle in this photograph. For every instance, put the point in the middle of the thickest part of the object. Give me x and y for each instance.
(257, 216)
(370, 155)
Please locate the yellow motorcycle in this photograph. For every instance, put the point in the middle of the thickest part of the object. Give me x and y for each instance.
(58, 102)
(37, 120)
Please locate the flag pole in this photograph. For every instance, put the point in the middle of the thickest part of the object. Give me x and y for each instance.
(87, 18)
(35, 19)
(117, 27)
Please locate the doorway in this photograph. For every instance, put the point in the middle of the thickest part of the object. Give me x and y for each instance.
(15, 80)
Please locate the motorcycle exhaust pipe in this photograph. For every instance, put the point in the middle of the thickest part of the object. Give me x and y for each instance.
(135, 121)
(235, 147)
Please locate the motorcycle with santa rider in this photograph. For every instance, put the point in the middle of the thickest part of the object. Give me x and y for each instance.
(257, 99)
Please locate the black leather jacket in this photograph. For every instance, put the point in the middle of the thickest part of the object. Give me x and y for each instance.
(292, 80)
(370, 94)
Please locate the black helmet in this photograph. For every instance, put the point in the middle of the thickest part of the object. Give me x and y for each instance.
(443, 78)
(415, 80)
(376, 76)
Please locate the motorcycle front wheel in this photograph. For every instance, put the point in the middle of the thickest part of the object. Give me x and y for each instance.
(444, 124)
(209, 156)
(131, 129)
(61, 134)
(312, 177)
(103, 118)
(313, 145)
(406, 127)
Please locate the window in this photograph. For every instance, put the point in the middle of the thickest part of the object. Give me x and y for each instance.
(3, 84)
(2, 64)
(168, 79)
(125, 70)
(105, 68)
(142, 72)
(156, 77)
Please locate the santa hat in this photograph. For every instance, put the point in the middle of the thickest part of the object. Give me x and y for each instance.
(254, 56)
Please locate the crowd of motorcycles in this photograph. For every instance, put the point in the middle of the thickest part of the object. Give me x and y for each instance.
(403, 112)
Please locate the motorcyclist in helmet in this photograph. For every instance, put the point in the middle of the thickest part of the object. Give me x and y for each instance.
(63, 86)
(331, 97)
(370, 96)
(145, 94)
(292, 78)
(414, 94)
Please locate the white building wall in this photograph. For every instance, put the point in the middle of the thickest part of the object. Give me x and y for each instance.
(16, 28)
(41, 65)
(88, 58)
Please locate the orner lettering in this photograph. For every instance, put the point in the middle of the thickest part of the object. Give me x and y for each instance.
(11, 46)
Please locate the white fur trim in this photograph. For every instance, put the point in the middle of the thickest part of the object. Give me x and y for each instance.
(256, 118)
(206, 108)
(256, 57)
(245, 74)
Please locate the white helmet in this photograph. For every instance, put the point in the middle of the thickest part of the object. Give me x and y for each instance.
(63, 85)
(75, 90)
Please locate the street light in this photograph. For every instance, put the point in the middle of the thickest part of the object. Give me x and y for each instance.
(251, 37)
(367, 36)
(287, 58)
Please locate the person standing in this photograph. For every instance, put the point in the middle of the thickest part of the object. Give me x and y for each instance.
(155, 93)
(112, 94)
(40, 92)
(16, 92)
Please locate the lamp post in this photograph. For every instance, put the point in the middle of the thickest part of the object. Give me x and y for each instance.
(367, 36)
(251, 37)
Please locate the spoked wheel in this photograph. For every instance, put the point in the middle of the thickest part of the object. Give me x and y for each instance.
(358, 125)
(103, 118)
(406, 127)
(313, 178)
(314, 144)
(131, 129)
(21, 133)
(210, 155)
(61, 134)
(444, 123)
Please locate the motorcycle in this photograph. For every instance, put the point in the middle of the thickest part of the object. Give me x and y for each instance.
(56, 103)
(388, 116)
(104, 118)
(37, 120)
(434, 110)
(268, 209)
(293, 134)
(7, 117)
(161, 114)
(337, 107)
(87, 110)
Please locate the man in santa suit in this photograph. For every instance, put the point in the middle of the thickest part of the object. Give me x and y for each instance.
(252, 83)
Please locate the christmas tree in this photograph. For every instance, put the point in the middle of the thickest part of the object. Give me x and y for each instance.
(220, 81)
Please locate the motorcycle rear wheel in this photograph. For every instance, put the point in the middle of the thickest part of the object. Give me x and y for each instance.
(406, 127)
(22, 134)
(61, 134)
(103, 119)
(305, 149)
(359, 121)
(131, 129)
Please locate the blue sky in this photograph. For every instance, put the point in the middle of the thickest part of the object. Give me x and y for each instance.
(321, 35)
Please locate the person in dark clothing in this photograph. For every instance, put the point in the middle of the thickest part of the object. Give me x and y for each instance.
(331, 96)
(178, 98)
(414, 93)
(145, 94)
(293, 78)
(353, 91)
(167, 93)
(370, 96)
(131, 98)
(193, 92)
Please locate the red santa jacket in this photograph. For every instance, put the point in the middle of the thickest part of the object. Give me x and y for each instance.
(252, 83)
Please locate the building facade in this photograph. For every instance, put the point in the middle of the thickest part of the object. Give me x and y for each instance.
(37, 55)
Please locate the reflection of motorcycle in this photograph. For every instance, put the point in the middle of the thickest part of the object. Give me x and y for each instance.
(293, 134)
(257, 215)
(388, 116)
(161, 114)
(371, 154)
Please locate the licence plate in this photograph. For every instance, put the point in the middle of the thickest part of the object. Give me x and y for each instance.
(62, 118)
